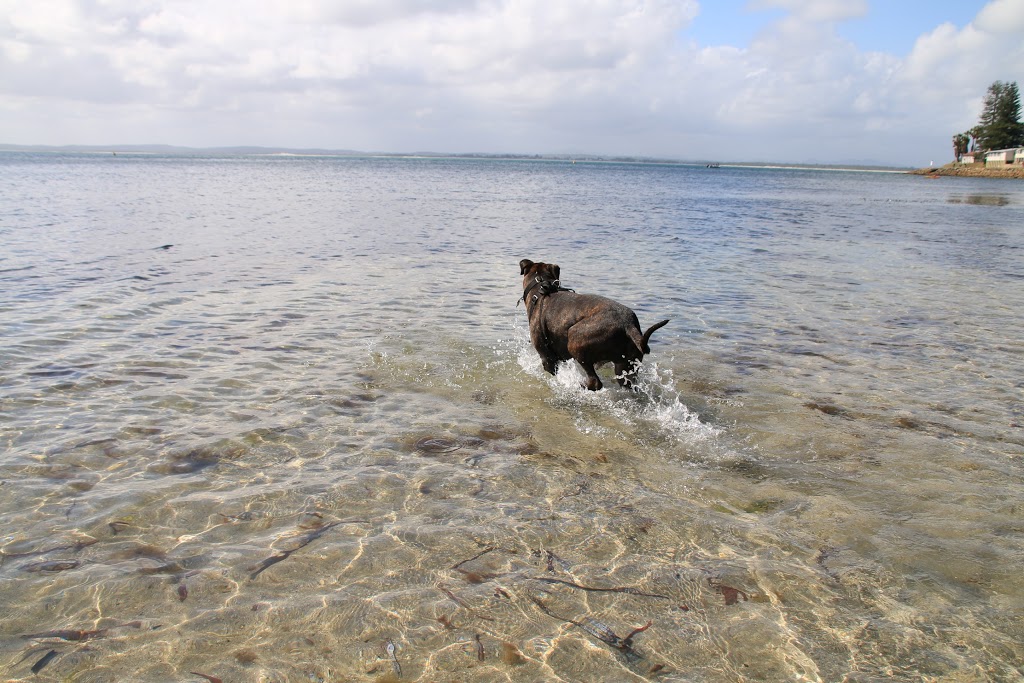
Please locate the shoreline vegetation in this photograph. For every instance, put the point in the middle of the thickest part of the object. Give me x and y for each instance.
(971, 171)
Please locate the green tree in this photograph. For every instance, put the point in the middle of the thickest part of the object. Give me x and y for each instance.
(1000, 125)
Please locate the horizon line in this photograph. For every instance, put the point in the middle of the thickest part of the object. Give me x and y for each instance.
(263, 150)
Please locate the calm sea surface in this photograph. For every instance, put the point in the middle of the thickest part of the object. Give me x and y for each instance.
(278, 419)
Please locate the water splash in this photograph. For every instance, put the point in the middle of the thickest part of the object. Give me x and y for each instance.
(653, 411)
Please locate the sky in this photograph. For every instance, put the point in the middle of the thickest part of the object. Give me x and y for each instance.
(797, 81)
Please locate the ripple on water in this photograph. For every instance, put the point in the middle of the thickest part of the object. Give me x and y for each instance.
(437, 444)
(819, 461)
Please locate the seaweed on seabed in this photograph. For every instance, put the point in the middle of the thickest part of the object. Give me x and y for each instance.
(43, 661)
(606, 635)
(285, 554)
(602, 632)
(302, 542)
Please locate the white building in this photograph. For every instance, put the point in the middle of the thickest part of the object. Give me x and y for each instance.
(1003, 157)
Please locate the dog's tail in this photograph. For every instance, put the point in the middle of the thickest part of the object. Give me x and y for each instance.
(647, 335)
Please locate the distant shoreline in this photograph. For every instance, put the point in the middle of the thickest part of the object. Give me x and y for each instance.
(955, 170)
(111, 150)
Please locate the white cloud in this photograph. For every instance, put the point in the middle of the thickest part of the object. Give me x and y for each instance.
(1002, 17)
(817, 11)
(606, 76)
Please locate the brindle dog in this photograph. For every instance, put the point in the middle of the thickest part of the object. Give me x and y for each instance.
(589, 328)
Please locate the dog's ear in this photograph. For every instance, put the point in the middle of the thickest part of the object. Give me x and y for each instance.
(556, 271)
(523, 265)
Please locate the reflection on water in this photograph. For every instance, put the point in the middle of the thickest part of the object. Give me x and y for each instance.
(980, 199)
(311, 441)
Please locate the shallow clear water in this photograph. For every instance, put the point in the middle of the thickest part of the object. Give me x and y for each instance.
(262, 417)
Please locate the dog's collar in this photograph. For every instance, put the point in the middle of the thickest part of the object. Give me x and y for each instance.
(546, 287)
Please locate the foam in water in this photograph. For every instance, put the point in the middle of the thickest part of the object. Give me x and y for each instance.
(653, 406)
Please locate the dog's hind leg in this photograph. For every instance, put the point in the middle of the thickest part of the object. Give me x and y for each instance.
(593, 381)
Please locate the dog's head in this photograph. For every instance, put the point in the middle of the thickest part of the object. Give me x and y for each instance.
(545, 273)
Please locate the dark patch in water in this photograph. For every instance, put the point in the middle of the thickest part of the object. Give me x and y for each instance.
(980, 199)
(496, 434)
(96, 442)
(50, 566)
(528, 448)
(827, 554)
(731, 595)
(937, 429)
(61, 372)
(909, 423)
(748, 468)
(437, 445)
(185, 463)
(142, 431)
(485, 397)
(801, 351)
(764, 505)
(43, 661)
(141, 550)
(354, 400)
(155, 373)
(828, 409)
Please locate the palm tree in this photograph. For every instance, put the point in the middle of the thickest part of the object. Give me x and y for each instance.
(960, 143)
(975, 134)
